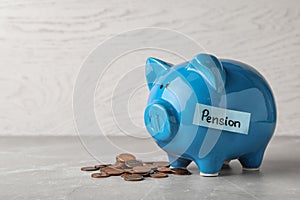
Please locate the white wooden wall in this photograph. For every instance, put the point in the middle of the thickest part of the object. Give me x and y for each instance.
(43, 43)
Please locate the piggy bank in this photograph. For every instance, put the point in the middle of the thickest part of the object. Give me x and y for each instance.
(209, 111)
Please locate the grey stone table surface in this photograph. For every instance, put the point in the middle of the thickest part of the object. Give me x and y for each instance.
(49, 168)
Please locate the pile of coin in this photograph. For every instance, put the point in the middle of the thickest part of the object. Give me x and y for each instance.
(131, 169)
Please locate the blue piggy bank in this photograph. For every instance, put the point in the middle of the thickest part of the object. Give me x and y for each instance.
(209, 111)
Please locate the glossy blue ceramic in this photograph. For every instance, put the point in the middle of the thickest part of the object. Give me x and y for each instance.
(209, 111)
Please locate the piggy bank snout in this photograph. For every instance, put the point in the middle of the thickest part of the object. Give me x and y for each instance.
(161, 120)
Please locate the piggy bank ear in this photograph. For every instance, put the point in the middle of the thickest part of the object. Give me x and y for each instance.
(154, 69)
(210, 68)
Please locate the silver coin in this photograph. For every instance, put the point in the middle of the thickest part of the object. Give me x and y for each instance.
(133, 163)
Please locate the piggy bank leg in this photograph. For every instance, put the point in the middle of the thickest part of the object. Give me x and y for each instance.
(177, 162)
(252, 161)
(209, 166)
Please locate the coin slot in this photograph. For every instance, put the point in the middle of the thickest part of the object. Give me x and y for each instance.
(157, 121)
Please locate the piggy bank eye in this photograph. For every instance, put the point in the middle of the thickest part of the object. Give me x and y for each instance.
(161, 86)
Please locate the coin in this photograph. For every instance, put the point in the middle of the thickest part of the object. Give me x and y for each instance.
(158, 175)
(125, 174)
(120, 165)
(133, 163)
(154, 167)
(148, 163)
(104, 169)
(161, 164)
(130, 171)
(141, 169)
(99, 175)
(142, 174)
(112, 170)
(165, 170)
(90, 168)
(123, 157)
(101, 166)
(133, 178)
(181, 171)
(145, 175)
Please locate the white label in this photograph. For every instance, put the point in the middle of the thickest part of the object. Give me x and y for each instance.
(222, 119)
